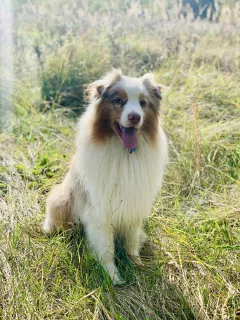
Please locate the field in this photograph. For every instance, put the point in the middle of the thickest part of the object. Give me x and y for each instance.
(190, 266)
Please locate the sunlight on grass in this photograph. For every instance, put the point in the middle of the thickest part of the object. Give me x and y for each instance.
(190, 266)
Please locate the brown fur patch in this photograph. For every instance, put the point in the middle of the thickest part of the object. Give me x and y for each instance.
(154, 90)
(151, 118)
(150, 124)
(101, 126)
(98, 88)
(122, 94)
(107, 114)
(142, 97)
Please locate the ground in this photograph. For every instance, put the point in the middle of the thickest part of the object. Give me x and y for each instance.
(190, 265)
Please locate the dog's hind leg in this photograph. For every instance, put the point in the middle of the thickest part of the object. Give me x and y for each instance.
(59, 210)
(62, 209)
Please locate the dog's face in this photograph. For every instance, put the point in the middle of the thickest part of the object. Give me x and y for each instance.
(125, 107)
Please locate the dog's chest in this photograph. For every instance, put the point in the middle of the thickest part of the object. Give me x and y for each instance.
(121, 185)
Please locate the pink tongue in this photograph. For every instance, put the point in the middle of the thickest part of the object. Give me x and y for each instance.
(129, 138)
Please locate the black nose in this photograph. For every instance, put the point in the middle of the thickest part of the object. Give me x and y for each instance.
(134, 118)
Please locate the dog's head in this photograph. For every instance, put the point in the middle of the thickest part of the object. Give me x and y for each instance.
(125, 107)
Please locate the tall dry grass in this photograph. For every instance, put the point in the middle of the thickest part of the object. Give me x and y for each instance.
(190, 266)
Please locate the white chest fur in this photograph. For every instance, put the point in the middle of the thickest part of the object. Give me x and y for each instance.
(120, 186)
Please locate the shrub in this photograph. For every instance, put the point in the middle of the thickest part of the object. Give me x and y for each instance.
(66, 74)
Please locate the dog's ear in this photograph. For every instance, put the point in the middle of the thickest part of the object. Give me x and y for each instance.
(154, 89)
(98, 89)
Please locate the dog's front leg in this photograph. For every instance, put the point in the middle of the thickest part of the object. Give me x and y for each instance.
(134, 237)
(101, 238)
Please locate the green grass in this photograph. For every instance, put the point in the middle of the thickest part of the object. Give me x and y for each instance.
(190, 266)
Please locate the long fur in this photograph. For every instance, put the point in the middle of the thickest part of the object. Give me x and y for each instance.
(107, 188)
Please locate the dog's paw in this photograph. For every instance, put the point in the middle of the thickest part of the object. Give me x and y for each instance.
(47, 227)
(114, 275)
(133, 252)
(117, 280)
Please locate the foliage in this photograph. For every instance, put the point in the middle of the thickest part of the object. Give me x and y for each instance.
(190, 264)
(67, 74)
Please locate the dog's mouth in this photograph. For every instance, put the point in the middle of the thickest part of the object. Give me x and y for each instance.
(128, 136)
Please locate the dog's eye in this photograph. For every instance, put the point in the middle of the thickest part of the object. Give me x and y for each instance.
(142, 103)
(119, 102)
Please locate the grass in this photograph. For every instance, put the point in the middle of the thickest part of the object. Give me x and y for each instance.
(190, 265)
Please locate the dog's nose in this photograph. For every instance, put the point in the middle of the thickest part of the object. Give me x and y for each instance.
(134, 118)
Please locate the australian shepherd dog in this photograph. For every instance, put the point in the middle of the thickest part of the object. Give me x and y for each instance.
(121, 153)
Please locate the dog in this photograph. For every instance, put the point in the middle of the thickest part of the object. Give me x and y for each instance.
(118, 167)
